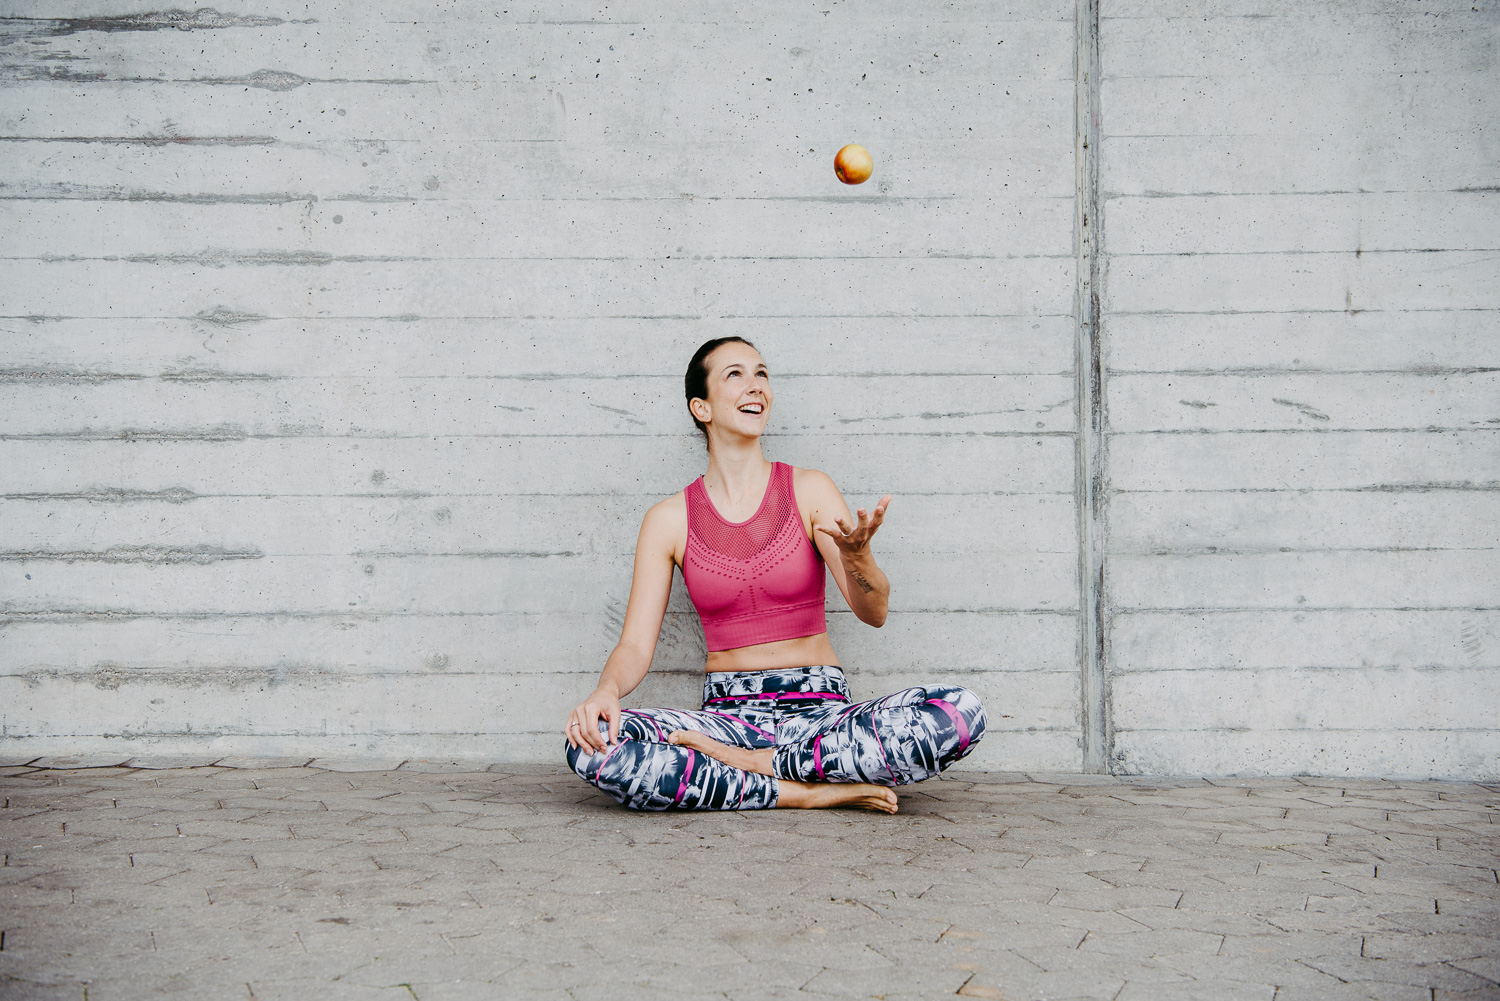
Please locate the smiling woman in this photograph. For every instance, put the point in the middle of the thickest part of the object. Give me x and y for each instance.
(754, 541)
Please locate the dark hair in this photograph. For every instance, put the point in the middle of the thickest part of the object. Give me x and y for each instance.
(695, 383)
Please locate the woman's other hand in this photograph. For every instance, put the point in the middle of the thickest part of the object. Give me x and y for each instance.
(854, 540)
(583, 722)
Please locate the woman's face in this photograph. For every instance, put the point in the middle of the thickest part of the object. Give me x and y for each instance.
(739, 391)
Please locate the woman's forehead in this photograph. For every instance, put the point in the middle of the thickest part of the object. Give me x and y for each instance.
(734, 353)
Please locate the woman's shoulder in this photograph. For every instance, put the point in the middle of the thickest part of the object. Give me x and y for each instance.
(665, 525)
(667, 513)
(811, 479)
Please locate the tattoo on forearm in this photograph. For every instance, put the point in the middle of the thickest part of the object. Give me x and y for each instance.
(859, 578)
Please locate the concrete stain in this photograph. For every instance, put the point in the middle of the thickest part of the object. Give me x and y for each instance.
(278, 80)
(111, 495)
(102, 193)
(204, 18)
(46, 375)
(1303, 408)
(216, 433)
(111, 676)
(215, 375)
(201, 555)
(149, 140)
(223, 316)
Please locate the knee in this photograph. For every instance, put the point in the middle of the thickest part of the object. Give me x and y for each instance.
(583, 762)
(963, 709)
(972, 710)
(577, 760)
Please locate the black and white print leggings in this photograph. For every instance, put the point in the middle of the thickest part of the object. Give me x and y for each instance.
(806, 715)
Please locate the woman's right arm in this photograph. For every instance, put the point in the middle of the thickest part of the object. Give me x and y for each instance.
(664, 526)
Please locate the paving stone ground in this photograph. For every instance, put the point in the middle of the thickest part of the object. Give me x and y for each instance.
(395, 881)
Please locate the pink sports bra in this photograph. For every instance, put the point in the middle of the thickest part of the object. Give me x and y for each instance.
(757, 581)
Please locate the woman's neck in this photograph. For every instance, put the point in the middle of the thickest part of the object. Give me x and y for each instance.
(738, 473)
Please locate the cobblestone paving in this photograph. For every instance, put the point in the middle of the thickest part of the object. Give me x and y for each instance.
(329, 880)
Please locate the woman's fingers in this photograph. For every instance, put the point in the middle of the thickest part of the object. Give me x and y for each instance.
(856, 535)
(583, 729)
(591, 725)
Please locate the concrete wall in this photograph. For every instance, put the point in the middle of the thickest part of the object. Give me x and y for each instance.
(1301, 338)
(341, 347)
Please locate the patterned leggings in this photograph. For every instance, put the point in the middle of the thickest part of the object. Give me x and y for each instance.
(802, 712)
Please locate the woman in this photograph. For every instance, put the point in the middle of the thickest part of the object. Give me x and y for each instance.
(752, 539)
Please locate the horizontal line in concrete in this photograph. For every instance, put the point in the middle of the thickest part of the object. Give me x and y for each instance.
(1296, 668)
(1352, 251)
(1398, 488)
(353, 614)
(1318, 79)
(239, 434)
(230, 318)
(1124, 195)
(1424, 429)
(1197, 136)
(71, 193)
(205, 555)
(275, 80)
(182, 495)
(333, 673)
(43, 375)
(163, 555)
(1424, 370)
(210, 732)
(318, 258)
(1311, 729)
(1208, 551)
(151, 140)
(9, 616)
(1301, 311)
(1116, 612)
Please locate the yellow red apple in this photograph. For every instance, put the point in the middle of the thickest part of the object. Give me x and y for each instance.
(853, 164)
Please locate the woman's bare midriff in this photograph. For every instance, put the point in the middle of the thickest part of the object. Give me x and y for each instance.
(804, 651)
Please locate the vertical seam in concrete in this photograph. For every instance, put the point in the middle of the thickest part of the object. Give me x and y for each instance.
(1090, 447)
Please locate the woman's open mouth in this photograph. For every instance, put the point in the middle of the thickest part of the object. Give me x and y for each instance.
(753, 408)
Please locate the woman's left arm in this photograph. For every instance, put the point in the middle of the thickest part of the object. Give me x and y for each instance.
(845, 545)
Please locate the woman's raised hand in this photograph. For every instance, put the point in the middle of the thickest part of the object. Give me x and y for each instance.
(855, 538)
(583, 722)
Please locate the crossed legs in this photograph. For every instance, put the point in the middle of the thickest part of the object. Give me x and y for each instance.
(827, 755)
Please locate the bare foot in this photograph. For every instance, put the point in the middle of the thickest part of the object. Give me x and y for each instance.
(736, 757)
(823, 795)
(794, 795)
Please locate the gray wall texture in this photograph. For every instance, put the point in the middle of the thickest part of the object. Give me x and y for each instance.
(340, 348)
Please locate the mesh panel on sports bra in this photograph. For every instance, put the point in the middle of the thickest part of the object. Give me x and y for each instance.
(743, 542)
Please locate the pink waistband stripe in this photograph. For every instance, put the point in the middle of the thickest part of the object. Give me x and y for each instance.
(779, 695)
